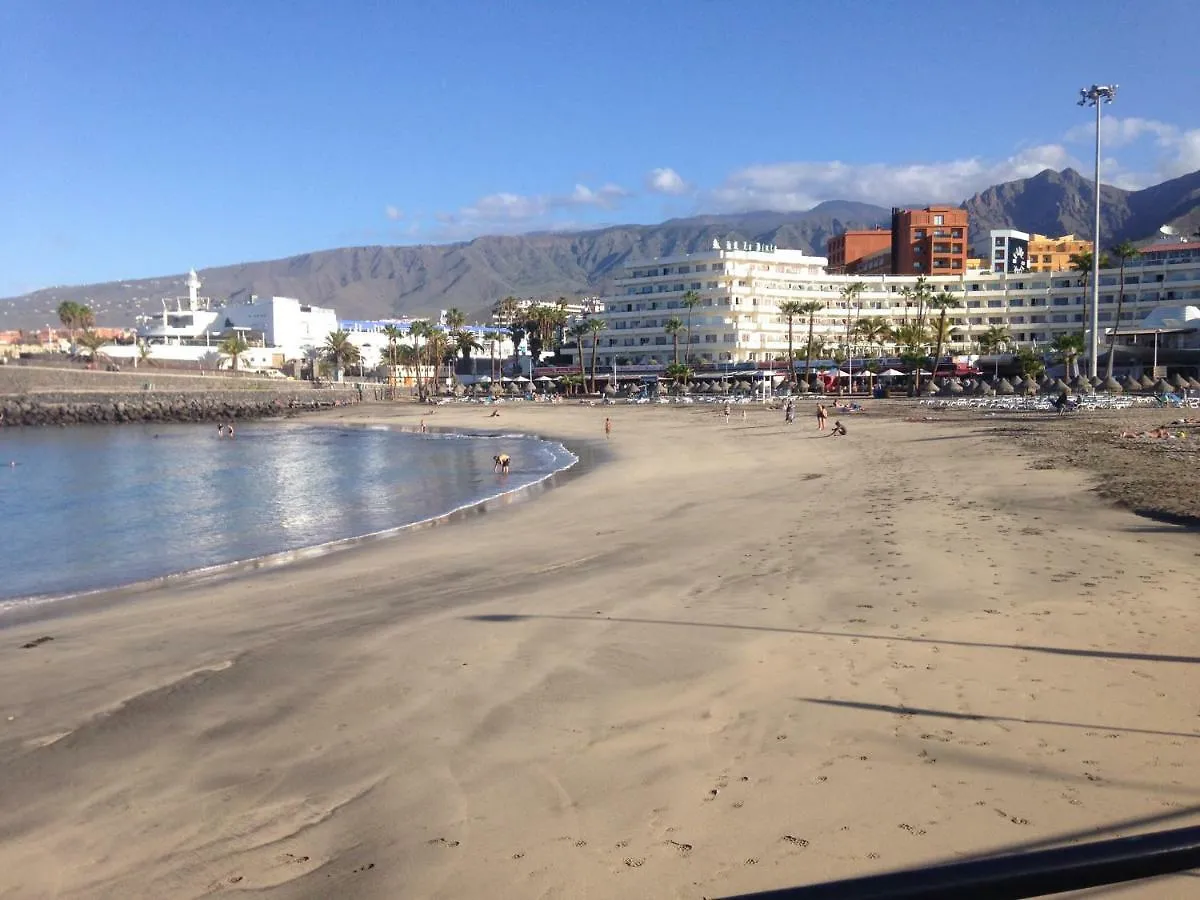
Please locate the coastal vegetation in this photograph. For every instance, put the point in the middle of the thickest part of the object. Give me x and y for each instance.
(943, 302)
(790, 310)
(689, 302)
(994, 341)
(340, 353)
(1124, 251)
(233, 345)
(673, 327)
(75, 316)
(1067, 349)
(810, 308)
(594, 327)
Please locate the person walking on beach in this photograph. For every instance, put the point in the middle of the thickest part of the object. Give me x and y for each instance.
(502, 461)
(422, 426)
(822, 416)
(607, 427)
(789, 412)
(726, 413)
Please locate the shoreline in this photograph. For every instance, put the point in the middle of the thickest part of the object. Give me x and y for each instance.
(735, 657)
(16, 611)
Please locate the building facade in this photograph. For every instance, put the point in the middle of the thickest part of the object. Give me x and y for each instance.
(1053, 254)
(738, 320)
(846, 251)
(1010, 250)
(930, 241)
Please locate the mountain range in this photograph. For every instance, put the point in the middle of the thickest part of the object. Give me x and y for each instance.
(390, 281)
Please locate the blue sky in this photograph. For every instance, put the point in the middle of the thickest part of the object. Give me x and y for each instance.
(143, 138)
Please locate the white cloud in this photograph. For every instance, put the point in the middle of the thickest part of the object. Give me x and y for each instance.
(666, 181)
(393, 213)
(1173, 151)
(802, 185)
(505, 208)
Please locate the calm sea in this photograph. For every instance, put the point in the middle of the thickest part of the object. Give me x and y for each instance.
(96, 507)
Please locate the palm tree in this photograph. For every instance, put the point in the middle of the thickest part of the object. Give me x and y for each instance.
(506, 310)
(850, 293)
(578, 331)
(233, 346)
(913, 341)
(594, 327)
(943, 302)
(465, 343)
(85, 318)
(437, 347)
(1031, 362)
(874, 330)
(340, 352)
(790, 309)
(455, 319)
(994, 340)
(92, 342)
(1068, 346)
(144, 354)
(419, 332)
(1124, 252)
(673, 326)
(1082, 262)
(690, 301)
(679, 373)
(810, 309)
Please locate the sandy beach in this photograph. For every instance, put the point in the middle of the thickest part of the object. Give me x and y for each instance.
(723, 658)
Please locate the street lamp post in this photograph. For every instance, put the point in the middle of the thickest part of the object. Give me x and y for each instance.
(1094, 96)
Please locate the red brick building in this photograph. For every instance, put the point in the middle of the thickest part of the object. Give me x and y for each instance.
(930, 241)
(847, 249)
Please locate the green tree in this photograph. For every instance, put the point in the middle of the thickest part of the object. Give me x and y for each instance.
(418, 333)
(92, 342)
(790, 309)
(679, 373)
(579, 331)
(437, 350)
(810, 308)
(465, 343)
(1124, 252)
(595, 326)
(943, 302)
(339, 352)
(993, 341)
(690, 301)
(875, 331)
(455, 319)
(1067, 347)
(233, 346)
(1030, 362)
(673, 326)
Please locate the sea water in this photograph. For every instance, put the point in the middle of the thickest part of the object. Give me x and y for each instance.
(97, 507)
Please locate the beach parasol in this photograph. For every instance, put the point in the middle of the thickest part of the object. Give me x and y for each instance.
(1110, 386)
(1178, 381)
(1005, 387)
(891, 373)
(484, 379)
(1162, 387)
(521, 379)
(801, 387)
(1131, 384)
(953, 386)
(1147, 381)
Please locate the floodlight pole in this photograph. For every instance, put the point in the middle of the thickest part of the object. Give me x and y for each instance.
(1092, 97)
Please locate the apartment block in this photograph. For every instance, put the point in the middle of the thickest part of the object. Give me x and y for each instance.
(847, 250)
(930, 241)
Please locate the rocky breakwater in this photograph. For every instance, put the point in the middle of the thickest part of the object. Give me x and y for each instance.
(104, 408)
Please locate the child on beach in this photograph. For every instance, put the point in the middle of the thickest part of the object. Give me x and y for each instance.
(822, 415)
(838, 430)
(608, 427)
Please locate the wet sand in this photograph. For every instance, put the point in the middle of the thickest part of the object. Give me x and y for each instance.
(733, 657)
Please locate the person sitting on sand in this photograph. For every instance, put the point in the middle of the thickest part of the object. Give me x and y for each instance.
(838, 430)
(502, 462)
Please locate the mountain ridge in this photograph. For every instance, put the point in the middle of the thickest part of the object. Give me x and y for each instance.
(377, 281)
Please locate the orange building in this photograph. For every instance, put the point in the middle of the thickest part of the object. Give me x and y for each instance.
(1053, 254)
(930, 241)
(846, 250)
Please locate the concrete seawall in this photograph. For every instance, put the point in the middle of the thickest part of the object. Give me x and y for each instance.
(36, 379)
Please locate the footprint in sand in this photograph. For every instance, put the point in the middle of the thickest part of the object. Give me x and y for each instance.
(368, 867)
(792, 839)
(684, 849)
(37, 642)
(634, 861)
(442, 841)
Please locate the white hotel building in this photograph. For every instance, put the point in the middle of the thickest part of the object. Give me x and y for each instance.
(741, 285)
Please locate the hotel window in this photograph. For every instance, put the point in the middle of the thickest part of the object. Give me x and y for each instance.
(939, 220)
(956, 232)
(999, 242)
(710, 339)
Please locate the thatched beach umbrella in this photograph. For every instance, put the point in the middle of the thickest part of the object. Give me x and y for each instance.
(1048, 387)
(1005, 388)
(1193, 384)
(981, 389)
(1162, 387)
(1029, 388)
(1109, 386)
(1147, 381)
(952, 386)
(1131, 384)
(929, 389)
(1095, 380)
(1178, 381)
(1083, 385)
(1016, 382)
(801, 387)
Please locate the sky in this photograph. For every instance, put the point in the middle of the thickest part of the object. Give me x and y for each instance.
(141, 139)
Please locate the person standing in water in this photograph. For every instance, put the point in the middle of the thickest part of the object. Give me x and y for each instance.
(229, 430)
(220, 429)
(503, 461)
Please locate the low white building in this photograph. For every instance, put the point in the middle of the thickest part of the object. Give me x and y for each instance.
(292, 327)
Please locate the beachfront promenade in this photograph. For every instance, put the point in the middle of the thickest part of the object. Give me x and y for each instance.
(717, 658)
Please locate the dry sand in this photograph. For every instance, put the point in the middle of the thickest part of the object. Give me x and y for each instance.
(729, 658)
